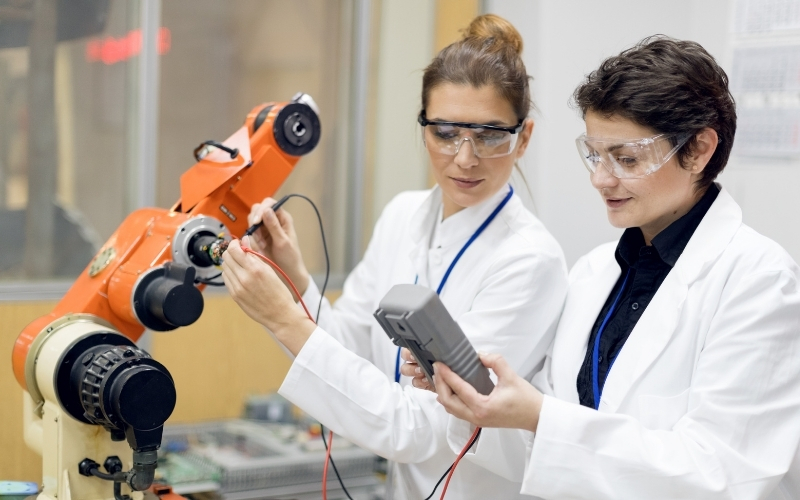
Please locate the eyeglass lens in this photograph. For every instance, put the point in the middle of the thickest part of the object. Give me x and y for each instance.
(486, 143)
(625, 160)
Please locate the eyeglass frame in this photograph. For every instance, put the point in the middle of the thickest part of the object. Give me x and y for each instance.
(682, 140)
(423, 121)
(516, 129)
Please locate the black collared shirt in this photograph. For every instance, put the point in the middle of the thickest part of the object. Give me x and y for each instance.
(645, 268)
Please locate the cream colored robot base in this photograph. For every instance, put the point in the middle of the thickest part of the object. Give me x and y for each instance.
(62, 441)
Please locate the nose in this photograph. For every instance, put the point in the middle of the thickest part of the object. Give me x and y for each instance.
(465, 154)
(602, 178)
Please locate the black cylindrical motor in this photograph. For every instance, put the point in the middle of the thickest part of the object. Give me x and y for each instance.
(104, 379)
(296, 128)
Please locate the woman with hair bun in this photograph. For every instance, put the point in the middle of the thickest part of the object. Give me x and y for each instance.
(504, 284)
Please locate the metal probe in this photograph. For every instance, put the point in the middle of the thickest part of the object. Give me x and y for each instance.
(252, 229)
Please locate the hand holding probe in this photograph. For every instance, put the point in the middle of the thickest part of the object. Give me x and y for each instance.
(252, 229)
(214, 248)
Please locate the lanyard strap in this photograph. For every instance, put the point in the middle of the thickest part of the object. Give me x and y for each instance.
(474, 237)
(596, 390)
(456, 259)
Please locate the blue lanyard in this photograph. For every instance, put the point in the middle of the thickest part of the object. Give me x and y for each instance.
(456, 259)
(597, 392)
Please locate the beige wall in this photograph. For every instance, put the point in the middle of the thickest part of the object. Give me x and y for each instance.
(405, 48)
(411, 33)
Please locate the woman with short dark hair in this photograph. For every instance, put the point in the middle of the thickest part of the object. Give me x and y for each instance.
(675, 371)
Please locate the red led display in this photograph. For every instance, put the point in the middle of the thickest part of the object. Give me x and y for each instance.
(111, 50)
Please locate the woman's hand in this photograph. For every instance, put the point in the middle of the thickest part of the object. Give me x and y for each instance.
(277, 239)
(262, 295)
(513, 403)
(411, 369)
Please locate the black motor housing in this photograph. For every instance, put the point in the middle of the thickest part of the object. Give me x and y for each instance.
(104, 379)
(165, 298)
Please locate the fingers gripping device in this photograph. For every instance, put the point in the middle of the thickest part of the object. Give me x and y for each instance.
(414, 317)
(79, 365)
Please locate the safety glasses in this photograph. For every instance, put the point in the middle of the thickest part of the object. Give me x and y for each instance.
(629, 160)
(488, 141)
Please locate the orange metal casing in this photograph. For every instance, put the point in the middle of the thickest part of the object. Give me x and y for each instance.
(164, 492)
(223, 190)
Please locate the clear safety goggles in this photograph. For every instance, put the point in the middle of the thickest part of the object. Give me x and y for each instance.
(487, 141)
(629, 160)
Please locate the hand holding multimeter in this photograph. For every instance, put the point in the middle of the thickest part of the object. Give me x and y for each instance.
(414, 317)
(410, 368)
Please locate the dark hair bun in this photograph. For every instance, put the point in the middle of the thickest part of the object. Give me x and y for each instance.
(490, 26)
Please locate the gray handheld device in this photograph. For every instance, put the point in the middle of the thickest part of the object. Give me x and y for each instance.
(414, 317)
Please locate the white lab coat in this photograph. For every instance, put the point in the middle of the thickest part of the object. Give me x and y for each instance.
(506, 293)
(703, 400)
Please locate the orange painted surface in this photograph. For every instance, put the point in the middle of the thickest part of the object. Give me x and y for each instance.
(216, 186)
(165, 492)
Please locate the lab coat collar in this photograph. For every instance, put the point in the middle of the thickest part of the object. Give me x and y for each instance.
(659, 321)
(671, 242)
(456, 229)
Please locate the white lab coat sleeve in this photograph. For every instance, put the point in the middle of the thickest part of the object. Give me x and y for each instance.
(737, 439)
(519, 323)
(357, 401)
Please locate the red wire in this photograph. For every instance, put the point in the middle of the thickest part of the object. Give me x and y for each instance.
(325, 469)
(285, 276)
(300, 298)
(455, 464)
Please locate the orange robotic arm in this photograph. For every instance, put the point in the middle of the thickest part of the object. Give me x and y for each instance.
(80, 360)
(216, 196)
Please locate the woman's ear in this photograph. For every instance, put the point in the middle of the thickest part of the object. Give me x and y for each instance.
(524, 137)
(705, 145)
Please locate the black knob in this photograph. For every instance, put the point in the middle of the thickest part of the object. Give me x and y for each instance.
(166, 298)
(297, 129)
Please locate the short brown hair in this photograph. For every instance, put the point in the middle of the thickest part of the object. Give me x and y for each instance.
(488, 54)
(672, 86)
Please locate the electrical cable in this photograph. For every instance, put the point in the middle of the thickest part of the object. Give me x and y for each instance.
(118, 492)
(329, 458)
(439, 482)
(325, 469)
(285, 276)
(335, 470)
(460, 456)
(328, 446)
(210, 281)
(449, 472)
(233, 152)
(252, 229)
